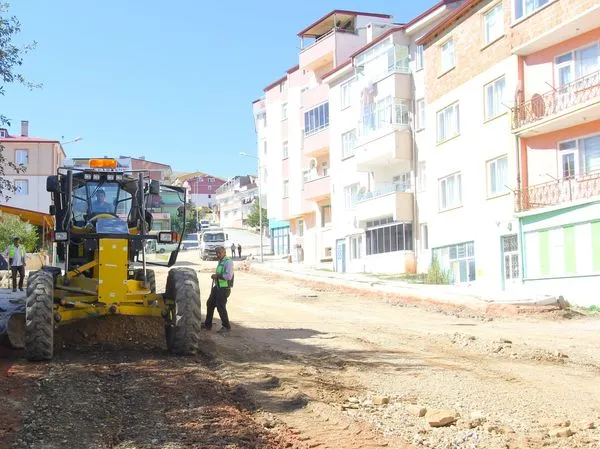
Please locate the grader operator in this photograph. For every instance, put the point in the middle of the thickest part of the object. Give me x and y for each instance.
(102, 226)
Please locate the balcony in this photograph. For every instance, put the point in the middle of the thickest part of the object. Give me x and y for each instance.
(567, 106)
(314, 97)
(570, 27)
(317, 143)
(396, 199)
(317, 189)
(559, 192)
(393, 148)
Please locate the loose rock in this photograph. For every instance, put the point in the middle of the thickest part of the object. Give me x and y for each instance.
(441, 418)
(561, 432)
(416, 410)
(381, 400)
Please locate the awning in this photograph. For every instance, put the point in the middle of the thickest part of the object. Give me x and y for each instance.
(46, 221)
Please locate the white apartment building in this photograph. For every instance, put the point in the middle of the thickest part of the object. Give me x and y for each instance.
(235, 201)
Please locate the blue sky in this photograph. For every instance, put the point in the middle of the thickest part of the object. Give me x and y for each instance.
(172, 81)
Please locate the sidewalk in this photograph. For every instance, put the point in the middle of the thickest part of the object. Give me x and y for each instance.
(472, 297)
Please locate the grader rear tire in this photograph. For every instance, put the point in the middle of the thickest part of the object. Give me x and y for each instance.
(184, 320)
(150, 278)
(39, 318)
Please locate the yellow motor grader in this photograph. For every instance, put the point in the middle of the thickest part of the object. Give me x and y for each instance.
(102, 226)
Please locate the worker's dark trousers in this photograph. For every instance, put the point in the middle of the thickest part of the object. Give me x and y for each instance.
(14, 270)
(217, 299)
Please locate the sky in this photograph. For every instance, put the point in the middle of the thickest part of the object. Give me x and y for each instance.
(171, 81)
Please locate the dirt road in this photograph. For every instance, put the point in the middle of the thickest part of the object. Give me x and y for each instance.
(305, 367)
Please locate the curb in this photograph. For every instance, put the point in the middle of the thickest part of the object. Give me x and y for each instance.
(413, 298)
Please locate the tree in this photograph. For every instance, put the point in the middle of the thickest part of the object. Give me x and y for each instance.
(12, 226)
(11, 59)
(253, 218)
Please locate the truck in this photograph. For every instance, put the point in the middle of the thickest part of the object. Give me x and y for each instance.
(204, 224)
(211, 238)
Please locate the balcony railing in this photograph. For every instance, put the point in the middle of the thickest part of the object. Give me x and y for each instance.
(558, 192)
(392, 188)
(379, 118)
(557, 101)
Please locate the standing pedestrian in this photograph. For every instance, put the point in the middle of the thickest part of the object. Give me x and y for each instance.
(233, 250)
(16, 260)
(239, 251)
(221, 289)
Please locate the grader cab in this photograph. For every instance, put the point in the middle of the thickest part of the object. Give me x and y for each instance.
(102, 229)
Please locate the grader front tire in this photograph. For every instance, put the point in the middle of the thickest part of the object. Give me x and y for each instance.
(184, 320)
(39, 318)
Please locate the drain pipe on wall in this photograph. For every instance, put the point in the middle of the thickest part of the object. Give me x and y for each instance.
(415, 164)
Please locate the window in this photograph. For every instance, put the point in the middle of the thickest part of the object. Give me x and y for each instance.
(21, 187)
(419, 57)
(264, 147)
(300, 228)
(348, 144)
(325, 168)
(285, 189)
(384, 113)
(579, 157)
(3, 133)
(284, 111)
(448, 123)
(420, 114)
(493, 23)
(497, 172)
(346, 94)
(458, 261)
(422, 174)
(305, 177)
(209, 188)
(316, 119)
(284, 149)
(494, 96)
(211, 179)
(448, 55)
(325, 215)
(424, 236)
(524, 8)
(21, 157)
(350, 196)
(389, 238)
(450, 191)
(577, 64)
(356, 247)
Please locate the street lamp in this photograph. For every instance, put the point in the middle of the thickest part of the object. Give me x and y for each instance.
(260, 221)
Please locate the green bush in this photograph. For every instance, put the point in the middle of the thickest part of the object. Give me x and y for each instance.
(437, 275)
(12, 226)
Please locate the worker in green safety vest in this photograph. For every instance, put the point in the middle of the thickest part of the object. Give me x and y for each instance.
(16, 260)
(221, 289)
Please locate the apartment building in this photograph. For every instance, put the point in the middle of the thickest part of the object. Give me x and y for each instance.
(556, 123)
(339, 143)
(468, 134)
(235, 201)
(488, 67)
(40, 158)
(202, 187)
(375, 143)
